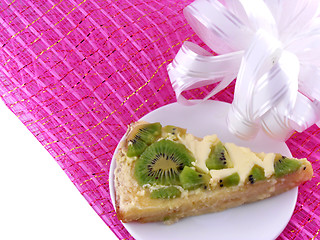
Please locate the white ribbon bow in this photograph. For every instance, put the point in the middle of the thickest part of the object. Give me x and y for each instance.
(272, 48)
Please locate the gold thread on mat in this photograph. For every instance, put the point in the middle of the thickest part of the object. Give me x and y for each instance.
(58, 23)
(34, 21)
(123, 101)
(8, 6)
(121, 43)
(91, 178)
(89, 129)
(146, 83)
(23, 50)
(151, 96)
(317, 233)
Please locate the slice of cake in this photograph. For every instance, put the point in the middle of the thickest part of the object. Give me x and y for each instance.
(165, 173)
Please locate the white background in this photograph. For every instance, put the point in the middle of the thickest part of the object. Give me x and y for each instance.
(37, 199)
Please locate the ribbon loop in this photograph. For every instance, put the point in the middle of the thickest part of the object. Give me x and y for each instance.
(280, 84)
(218, 28)
(257, 12)
(307, 76)
(262, 54)
(305, 113)
(194, 67)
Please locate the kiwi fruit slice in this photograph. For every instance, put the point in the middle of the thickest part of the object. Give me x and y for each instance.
(165, 192)
(231, 180)
(218, 157)
(256, 174)
(174, 130)
(191, 179)
(136, 147)
(283, 165)
(162, 162)
(142, 136)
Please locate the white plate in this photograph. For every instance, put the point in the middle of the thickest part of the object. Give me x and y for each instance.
(263, 220)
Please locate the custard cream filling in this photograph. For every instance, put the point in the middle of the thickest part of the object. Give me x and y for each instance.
(200, 148)
(243, 159)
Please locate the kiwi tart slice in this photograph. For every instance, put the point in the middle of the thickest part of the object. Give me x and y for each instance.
(167, 173)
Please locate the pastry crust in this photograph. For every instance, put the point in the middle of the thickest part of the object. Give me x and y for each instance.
(133, 202)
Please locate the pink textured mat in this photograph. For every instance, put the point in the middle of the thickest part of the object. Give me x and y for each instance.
(77, 72)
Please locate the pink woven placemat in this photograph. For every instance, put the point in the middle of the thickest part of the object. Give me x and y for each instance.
(77, 72)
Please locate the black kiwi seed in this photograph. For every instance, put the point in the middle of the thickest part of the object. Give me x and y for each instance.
(251, 179)
(162, 162)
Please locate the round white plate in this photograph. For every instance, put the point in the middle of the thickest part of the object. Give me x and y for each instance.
(263, 220)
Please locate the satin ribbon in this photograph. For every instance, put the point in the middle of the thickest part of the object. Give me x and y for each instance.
(272, 49)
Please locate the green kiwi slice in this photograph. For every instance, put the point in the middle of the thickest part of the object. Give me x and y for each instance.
(162, 162)
(218, 157)
(174, 130)
(142, 136)
(231, 180)
(136, 147)
(165, 193)
(256, 174)
(191, 179)
(284, 165)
